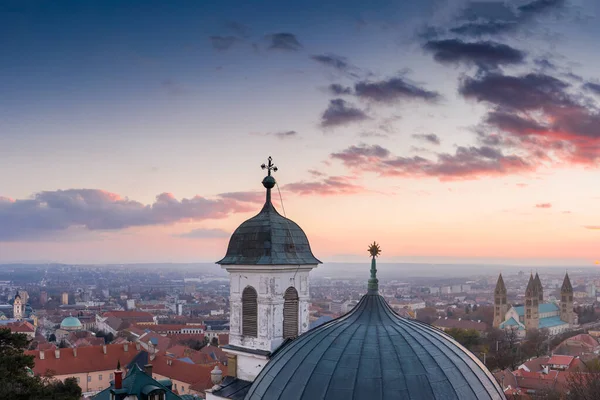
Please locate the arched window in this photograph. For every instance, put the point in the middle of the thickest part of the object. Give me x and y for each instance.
(290, 313)
(249, 312)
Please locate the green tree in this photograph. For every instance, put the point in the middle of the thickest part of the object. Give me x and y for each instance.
(52, 338)
(17, 381)
(214, 341)
(469, 338)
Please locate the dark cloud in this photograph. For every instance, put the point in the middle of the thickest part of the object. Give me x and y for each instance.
(91, 209)
(338, 90)
(222, 43)
(592, 87)
(486, 55)
(338, 63)
(540, 113)
(202, 233)
(330, 186)
(496, 18)
(428, 137)
(543, 205)
(341, 112)
(283, 41)
(467, 163)
(392, 90)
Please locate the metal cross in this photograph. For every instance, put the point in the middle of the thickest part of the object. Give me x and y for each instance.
(269, 167)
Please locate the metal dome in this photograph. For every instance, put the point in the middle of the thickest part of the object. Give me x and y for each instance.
(373, 353)
(269, 238)
(70, 323)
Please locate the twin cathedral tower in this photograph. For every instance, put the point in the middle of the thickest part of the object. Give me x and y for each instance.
(535, 313)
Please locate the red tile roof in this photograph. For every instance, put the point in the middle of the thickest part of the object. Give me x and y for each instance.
(461, 324)
(21, 327)
(88, 359)
(223, 339)
(195, 375)
(560, 360)
(535, 364)
(137, 316)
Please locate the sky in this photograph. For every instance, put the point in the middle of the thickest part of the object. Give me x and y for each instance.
(448, 131)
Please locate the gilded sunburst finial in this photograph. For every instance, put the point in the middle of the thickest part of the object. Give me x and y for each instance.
(374, 249)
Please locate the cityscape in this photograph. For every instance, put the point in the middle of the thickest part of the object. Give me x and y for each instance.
(299, 200)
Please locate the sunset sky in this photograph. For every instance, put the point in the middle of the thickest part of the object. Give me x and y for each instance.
(448, 131)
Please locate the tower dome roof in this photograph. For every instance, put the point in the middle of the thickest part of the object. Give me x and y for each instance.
(269, 238)
(70, 323)
(373, 353)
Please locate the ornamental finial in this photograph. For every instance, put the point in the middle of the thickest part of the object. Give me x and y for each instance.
(373, 285)
(374, 249)
(270, 166)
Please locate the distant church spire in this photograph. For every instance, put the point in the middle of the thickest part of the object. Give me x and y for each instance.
(566, 286)
(539, 287)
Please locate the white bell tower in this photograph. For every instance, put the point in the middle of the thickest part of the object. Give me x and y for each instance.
(18, 308)
(269, 260)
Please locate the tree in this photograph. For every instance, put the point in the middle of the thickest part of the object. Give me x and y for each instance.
(214, 341)
(536, 342)
(467, 337)
(109, 338)
(52, 338)
(427, 314)
(63, 344)
(17, 381)
(584, 385)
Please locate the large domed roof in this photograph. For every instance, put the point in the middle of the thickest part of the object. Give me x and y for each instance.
(70, 323)
(269, 238)
(373, 353)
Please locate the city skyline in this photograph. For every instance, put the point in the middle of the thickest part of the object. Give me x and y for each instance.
(450, 132)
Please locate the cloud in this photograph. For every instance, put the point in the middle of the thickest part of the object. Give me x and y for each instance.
(338, 90)
(339, 112)
(222, 43)
(283, 41)
(203, 233)
(593, 227)
(330, 186)
(539, 113)
(247, 197)
(392, 90)
(592, 87)
(51, 212)
(238, 28)
(466, 163)
(485, 55)
(286, 134)
(338, 63)
(428, 137)
(171, 87)
(496, 17)
(543, 205)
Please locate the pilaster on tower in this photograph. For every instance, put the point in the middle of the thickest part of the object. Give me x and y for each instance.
(268, 259)
(532, 317)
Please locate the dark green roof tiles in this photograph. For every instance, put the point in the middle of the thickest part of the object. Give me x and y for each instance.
(372, 353)
(269, 239)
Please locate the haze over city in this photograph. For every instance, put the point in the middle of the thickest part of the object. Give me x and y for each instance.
(450, 132)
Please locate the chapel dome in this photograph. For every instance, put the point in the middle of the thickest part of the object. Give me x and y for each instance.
(70, 323)
(269, 238)
(373, 353)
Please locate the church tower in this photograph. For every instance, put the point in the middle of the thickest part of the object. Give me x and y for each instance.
(540, 288)
(18, 307)
(500, 304)
(566, 301)
(268, 260)
(532, 299)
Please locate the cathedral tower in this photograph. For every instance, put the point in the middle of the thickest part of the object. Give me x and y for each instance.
(540, 288)
(566, 301)
(532, 301)
(500, 304)
(18, 307)
(268, 260)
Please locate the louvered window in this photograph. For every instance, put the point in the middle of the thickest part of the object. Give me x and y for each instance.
(249, 312)
(290, 313)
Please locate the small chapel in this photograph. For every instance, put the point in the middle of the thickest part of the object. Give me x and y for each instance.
(535, 313)
(369, 353)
